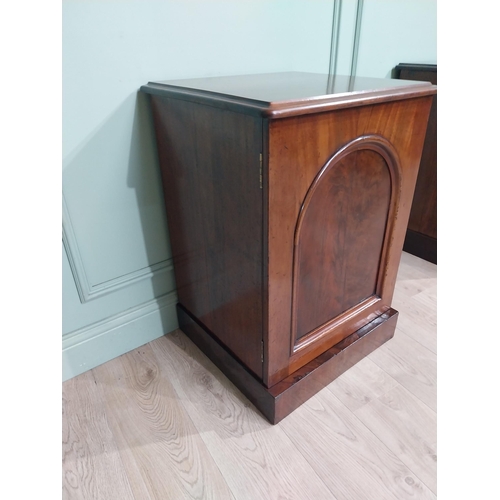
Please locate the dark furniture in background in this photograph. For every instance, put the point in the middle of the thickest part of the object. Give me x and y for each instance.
(421, 235)
(288, 197)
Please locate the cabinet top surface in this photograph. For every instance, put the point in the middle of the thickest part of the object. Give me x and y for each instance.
(278, 93)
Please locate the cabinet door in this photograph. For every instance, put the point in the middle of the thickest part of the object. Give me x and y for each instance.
(341, 237)
(339, 188)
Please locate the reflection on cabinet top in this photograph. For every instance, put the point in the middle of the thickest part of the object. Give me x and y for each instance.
(279, 95)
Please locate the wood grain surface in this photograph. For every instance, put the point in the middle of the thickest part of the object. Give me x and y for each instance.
(257, 458)
(162, 422)
(350, 459)
(363, 383)
(329, 275)
(299, 148)
(210, 160)
(412, 365)
(93, 467)
(157, 440)
(285, 94)
(421, 237)
(407, 427)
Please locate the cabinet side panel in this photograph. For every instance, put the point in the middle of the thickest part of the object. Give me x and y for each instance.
(209, 160)
(423, 215)
(421, 237)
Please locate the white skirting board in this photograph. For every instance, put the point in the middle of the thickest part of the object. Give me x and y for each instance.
(95, 344)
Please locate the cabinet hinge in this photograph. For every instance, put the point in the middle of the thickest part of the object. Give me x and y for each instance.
(260, 171)
(262, 351)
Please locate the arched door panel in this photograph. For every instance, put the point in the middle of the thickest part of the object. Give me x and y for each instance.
(340, 236)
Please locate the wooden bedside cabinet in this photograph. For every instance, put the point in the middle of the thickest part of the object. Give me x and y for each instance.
(288, 197)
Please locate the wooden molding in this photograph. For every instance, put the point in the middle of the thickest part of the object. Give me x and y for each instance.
(293, 107)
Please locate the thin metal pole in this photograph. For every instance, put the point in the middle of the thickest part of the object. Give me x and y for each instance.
(334, 45)
(355, 45)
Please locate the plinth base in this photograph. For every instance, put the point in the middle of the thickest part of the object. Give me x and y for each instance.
(278, 401)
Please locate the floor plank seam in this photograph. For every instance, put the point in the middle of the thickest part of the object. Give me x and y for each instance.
(120, 452)
(312, 465)
(403, 385)
(399, 330)
(380, 440)
(194, 426)
(388, 450)
(305, 458)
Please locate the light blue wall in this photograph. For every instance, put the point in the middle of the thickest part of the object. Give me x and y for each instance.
(389, 32)
(396, 31)
(118, 283)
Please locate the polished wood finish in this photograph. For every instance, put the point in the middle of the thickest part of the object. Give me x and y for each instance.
(287, 213)
(421, 235)
(209, 161)
(208, 343)
(298, 387)
(299, 149)
(277, 402)
(329, 276)
(280, 95)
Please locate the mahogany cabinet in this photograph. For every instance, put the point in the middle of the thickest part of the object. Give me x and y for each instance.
(421, 234)
(287, 198)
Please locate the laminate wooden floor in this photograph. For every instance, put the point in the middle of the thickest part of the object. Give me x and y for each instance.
(162, 422)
